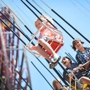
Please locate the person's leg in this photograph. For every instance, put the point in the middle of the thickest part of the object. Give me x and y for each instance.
(47, 46)
(85, 80)
(42, 52)
(38, 48)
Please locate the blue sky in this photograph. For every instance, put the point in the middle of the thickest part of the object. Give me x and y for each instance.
(76, 12)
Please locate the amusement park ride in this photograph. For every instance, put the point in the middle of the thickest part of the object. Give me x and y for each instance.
(14, 69)
(10, 77)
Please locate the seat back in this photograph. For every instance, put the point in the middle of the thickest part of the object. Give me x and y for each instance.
(55, 46)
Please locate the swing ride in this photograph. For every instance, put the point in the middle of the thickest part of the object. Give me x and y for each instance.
(15, 73)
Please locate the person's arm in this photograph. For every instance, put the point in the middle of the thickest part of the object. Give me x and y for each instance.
(81, 67)
(86, 65)
(75, 69)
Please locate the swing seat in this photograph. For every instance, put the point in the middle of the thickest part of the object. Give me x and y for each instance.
(84, 87)
(56, 46)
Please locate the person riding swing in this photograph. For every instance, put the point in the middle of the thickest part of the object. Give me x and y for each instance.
(49, 41)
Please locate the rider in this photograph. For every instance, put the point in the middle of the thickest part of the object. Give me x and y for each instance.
(44, 36)
(73, 72)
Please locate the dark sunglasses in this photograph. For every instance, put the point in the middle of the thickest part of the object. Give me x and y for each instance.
(64, 62)
(76, 42)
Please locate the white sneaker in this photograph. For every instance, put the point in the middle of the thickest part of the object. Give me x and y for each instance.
(54, 62)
